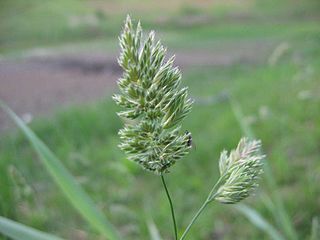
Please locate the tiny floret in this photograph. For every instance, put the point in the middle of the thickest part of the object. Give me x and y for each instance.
(153, 101)
(240, 171)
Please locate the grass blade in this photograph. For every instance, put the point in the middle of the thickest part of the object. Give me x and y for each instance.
(153, 230)
(315, 229)
(19, 231)
(152, 227)
(256, 219)
(282, 216)
(72, 190)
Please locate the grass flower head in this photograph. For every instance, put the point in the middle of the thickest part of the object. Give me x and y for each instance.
(240, 171)
(153, 101)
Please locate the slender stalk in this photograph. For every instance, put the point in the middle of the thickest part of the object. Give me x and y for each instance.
(194, 219)
(171, 207)
(209, 199)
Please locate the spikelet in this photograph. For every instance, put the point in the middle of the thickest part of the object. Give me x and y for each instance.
(239, 171)
(153, 100)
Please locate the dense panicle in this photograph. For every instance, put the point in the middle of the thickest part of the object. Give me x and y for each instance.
(151, 95)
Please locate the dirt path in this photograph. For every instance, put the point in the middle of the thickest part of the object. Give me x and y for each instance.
(39, 84)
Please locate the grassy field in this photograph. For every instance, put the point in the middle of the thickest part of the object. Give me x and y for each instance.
(36, 23)
(279, 95)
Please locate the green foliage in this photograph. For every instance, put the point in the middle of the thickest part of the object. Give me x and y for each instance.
(257, 220)
(19, 231)
(153, 230)
(315, 229)
(74, 193)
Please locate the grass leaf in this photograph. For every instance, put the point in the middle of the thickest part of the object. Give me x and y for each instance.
(315, 229)
(153, 230)
(19, 231)
(256, 219)
(72, 190)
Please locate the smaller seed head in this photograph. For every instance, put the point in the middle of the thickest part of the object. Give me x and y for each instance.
(240, 171)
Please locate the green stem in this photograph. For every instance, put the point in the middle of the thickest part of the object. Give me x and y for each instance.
(209, 199)
(171, 207)
(194, 219)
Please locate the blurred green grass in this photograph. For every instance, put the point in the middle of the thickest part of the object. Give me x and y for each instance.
(280, 101)
(36, 23)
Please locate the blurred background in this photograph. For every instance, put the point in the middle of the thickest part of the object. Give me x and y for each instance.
(58, 70)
